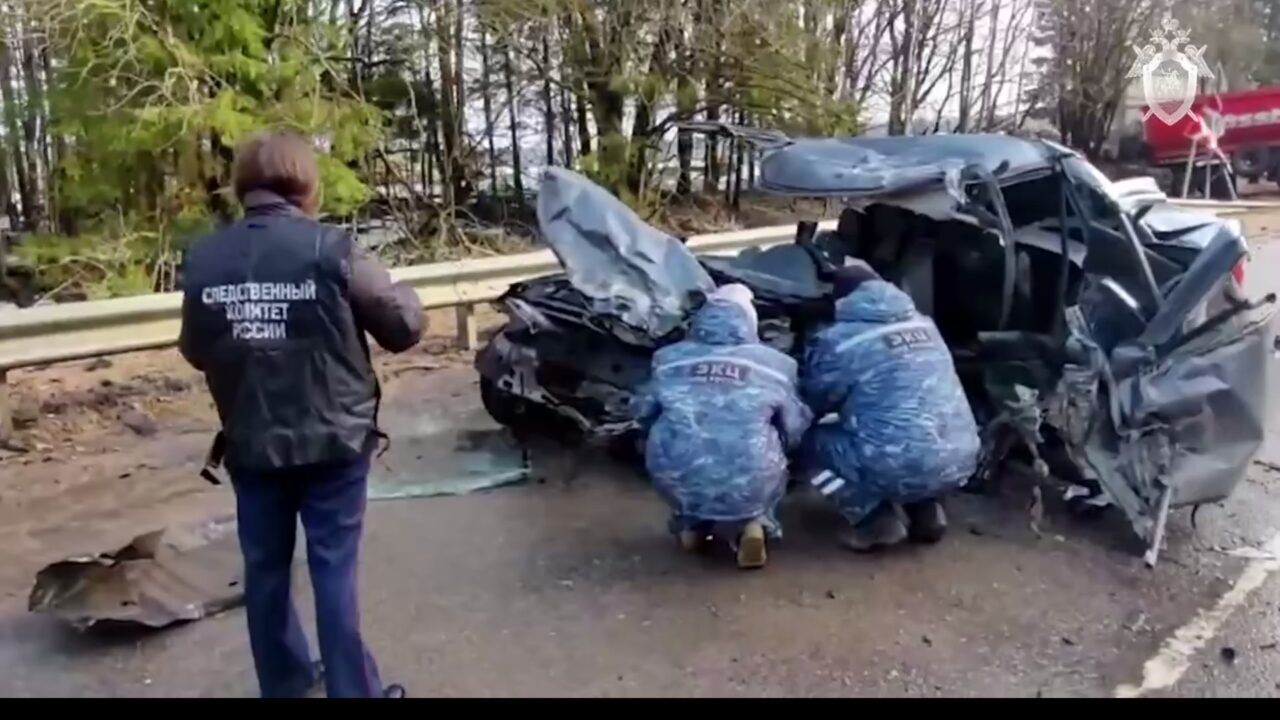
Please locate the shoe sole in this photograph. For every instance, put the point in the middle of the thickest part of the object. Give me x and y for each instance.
(752, 553)
(872, 547)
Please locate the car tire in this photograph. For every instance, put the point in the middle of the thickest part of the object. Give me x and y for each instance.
(505, 408)
(627, 449)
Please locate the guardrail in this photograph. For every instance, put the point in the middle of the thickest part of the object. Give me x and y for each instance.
(75, 331)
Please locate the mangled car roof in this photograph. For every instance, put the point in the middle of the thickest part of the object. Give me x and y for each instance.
(873, 165)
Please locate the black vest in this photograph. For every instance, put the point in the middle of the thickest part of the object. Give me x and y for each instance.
(266, 309)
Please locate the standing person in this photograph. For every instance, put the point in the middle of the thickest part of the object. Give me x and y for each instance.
(722, 413)
(274, 313)
(906, 434)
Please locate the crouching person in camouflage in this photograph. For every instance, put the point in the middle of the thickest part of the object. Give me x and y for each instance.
(722, 414)
(905, 434)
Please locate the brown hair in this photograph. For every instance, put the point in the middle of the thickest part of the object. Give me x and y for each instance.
(280, 162)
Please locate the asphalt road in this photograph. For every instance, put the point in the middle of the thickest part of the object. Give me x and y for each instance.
(568, 585)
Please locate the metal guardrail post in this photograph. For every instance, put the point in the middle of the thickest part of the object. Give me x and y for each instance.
(466, 319)
(6, 407)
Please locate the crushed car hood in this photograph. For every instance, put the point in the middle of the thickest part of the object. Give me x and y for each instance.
(626, 268)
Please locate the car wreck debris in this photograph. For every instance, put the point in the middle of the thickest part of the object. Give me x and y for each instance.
(1102, 335)
(163, 577)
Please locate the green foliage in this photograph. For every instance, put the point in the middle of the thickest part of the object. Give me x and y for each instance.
(343, 192)
(111, 262)
(608, 164)
(196, 76)
(156, 95)
(146, 100)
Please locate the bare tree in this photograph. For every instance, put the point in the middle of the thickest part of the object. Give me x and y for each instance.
(863, 60)
(1091, 43)
(548, 108)
(922, 52)
(448, 28)
(487, 107)
(508, 73)
(23, 166)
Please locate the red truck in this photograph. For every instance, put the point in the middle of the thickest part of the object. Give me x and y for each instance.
(1245, 125)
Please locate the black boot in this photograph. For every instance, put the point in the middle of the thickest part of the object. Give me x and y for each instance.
(926, 521)
(882, 528)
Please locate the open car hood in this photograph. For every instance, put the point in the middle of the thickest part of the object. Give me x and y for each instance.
(625, 267)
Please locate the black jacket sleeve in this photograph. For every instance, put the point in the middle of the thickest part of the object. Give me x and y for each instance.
(188, 341)
(390, 312)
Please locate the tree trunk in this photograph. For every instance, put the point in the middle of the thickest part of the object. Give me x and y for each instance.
(573, 56)
(969, 19)
(1019, 116)
(461, 183)
(603, 64)
(548, 106)
(221, 156)
(435, 153)
(1268, 71)
(708, 22)
(486, 100)
(354, 14)
(365, 59)
(988, 96)
(584, 128)
(638, 145)
(840, 27)
(711, 174)
(684, 149)
(903, 65)
(737, 166)
(57, 152)
(13, 134)
(433, 157)
(642, 126)
(566, 107)
(34, 127)
(7, 207)
(448, 95)
(516, 171)
(686, 105)
(566, 112)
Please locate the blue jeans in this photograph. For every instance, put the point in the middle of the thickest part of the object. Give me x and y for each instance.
(331, 501)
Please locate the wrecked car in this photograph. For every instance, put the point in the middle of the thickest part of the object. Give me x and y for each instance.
(1102, 335)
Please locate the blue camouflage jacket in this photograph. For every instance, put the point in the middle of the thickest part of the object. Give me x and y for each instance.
(722, 412)
(888, 373)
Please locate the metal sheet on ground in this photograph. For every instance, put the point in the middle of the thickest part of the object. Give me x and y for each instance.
(166, 576)
(449, 449)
